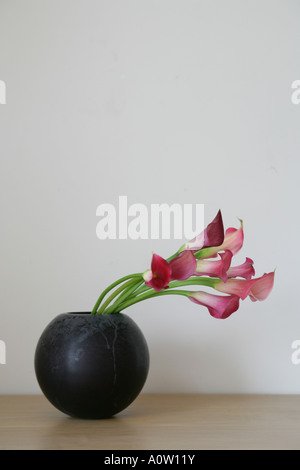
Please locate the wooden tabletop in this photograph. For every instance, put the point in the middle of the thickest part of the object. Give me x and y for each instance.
(176, 422)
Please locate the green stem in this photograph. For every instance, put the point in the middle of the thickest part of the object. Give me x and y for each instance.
(122, 296)
(127, 293)
(199, 281)
(147, 296)
(115, 294)
(109, 288)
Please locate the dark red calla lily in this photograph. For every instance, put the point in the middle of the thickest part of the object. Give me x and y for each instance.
(160, 274)
(213, 235)
(183, 266)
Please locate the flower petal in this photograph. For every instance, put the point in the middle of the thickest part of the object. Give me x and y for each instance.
(220, 307)
(239, 287)
(245, 270)
(161, 273)
(262, 287)
(213, 268)
(213, 235)
(257, 289)
(233, 241)
(183, 266)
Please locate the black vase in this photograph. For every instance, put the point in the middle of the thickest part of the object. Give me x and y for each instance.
(91, 366)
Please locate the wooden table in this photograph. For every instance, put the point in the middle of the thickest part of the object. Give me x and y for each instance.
(176, 422)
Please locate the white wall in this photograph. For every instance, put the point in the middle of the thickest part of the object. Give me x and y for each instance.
(163, 101)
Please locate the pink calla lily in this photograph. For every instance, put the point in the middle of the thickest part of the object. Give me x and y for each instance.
(262, 287)
(191, 265)
(183, 266)
(239, 287)
(213, 268)
(257, 289)
(233, 241)
(245, 270)
(213, 235)
(220, 307)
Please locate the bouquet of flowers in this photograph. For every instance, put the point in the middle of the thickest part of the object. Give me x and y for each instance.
(206, 261)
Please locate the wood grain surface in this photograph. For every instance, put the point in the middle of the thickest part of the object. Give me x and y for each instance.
(157, 422)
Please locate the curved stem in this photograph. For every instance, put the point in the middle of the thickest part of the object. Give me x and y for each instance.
(197, 280)
(127, 292)
(115, 294)
(147, 296)
(109, 288)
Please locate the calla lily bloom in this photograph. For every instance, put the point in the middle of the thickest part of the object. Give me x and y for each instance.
(215, 268)
(160, 274)
(220, 307)
(257, 289)
(213, 235)
(183, 266)
(191, 265)
(262, 287)
(233, 241)
(245, 270)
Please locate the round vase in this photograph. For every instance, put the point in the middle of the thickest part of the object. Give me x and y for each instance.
(91, 366)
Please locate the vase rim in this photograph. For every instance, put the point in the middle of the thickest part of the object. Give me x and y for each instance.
(88, 313)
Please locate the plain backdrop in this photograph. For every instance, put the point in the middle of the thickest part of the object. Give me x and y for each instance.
(164, 101)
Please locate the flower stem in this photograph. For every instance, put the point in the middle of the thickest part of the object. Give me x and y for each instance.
(197, 280)
(128, 292)
(148, 295)
(112, 286)
(115, 294)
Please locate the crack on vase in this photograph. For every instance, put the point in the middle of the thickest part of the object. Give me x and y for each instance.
(106, 340)
(114, 358)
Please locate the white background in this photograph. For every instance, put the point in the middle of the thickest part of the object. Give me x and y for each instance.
(163, 101)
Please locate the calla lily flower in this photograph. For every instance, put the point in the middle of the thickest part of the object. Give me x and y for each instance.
(245, 270)
(213, 235)
(233, 241)
(183, 266)
(220, 307)
(257, 289)
(217, 268)
(191, 265)
(262, 287)
(160, 274)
